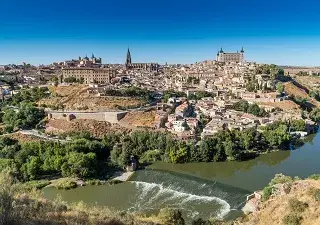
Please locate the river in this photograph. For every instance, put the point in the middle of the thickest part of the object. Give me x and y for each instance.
(199, 189)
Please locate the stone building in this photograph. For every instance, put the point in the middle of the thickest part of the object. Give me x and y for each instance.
(140, 66)
(84, 62)
(90, 75)
(237, 57)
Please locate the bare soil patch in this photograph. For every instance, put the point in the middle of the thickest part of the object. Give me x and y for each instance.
(96, 128)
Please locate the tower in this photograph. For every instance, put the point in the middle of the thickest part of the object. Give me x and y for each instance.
(220, 56)
(242, 55)
(128, 60)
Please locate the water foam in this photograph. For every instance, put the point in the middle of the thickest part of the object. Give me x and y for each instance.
(179, 194)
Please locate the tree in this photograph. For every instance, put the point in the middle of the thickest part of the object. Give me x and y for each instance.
(27, 116)
(80, 165)
(277, 138)
(280, 87)
(315, 115)
(242, 106)
(251, 86)
(254, 109)
(31, 169)
(230, 149)
(247, 138)
(70, 80)
(298, 125)
(178, 154)
(202, 153)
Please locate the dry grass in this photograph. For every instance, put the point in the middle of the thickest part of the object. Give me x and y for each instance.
(310, 82)
(274, 210)
(140, 119)
(24, 138)
(295, 91)
(96, 128)
(76, 97)
(286, 105)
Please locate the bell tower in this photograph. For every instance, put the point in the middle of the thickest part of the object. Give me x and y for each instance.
(242, 55)
(128, 60)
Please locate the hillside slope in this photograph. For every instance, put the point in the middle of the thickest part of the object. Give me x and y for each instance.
(298, 92)
(292, 203)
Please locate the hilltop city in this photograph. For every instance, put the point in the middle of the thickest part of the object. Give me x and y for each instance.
(191, 101)
(84, 122)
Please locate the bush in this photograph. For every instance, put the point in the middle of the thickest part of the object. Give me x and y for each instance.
(280, 179)
(151, 156)
(315, 177)
(266, 193)
(94, 182)
(113, 182)
(292, 219)
(38, 184)
(315, 193)
(297, 206)
(200, 221)
(171, 216)
(66, 184)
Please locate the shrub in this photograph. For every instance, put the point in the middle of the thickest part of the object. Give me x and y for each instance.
(113, 182)
(292, 219)
(266, 193)
(171, 216)
(297, 206)
(280, 179)
(315, 177)
(66, 184)
(38, 184)
(296, 178)
(151, 156)
(94, 182)
(315, 193)
(200, 221)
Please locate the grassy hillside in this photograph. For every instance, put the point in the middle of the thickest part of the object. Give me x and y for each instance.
(288, 201)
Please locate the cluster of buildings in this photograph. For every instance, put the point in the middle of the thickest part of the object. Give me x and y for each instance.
(183, 117)
(92, 62)
(226, 79)
(151, 67)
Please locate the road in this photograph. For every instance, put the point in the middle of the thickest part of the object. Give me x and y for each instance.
(40, 135)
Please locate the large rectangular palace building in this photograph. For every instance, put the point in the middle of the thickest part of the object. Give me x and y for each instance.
(237, 57)
(90, 75)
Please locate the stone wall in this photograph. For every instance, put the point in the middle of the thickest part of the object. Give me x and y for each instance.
(112, 117)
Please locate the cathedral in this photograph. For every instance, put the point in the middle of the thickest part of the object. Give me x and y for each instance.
(237, 57)
(140, 66)
(86, 61)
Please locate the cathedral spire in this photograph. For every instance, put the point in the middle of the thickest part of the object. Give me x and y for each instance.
(128, 60)
(242, 51)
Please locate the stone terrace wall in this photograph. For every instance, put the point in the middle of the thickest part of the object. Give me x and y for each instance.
(112, 117)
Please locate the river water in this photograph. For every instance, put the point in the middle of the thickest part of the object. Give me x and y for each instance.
(199, 189)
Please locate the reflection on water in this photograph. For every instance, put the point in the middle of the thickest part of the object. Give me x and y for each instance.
(256, 174)
(226, 172)
(198, 189)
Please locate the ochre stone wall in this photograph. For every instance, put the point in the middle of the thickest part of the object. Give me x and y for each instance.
(112, 117)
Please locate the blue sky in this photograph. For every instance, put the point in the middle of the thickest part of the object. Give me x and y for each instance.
(174, 31)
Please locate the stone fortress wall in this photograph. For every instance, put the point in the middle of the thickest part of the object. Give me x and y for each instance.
(112, 117)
